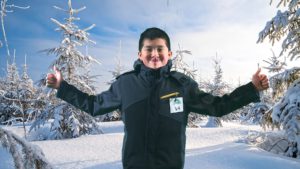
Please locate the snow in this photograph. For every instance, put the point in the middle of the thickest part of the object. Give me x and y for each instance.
(211, 148)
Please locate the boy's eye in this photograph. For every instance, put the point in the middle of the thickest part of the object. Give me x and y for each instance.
(150, 49)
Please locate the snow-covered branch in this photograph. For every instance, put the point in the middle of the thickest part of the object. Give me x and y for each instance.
(25, 155)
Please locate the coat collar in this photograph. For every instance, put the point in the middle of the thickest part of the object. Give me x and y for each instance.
(140, 67)
(151, 76)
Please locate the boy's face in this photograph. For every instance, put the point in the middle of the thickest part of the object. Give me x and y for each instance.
(154, 53)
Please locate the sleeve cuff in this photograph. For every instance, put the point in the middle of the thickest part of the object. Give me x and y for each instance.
(252, 89)
(60, 91)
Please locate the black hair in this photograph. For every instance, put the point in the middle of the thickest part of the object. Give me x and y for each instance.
(153, 33)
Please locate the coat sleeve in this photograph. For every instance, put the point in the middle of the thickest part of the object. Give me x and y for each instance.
(205, 103)
(102, 103)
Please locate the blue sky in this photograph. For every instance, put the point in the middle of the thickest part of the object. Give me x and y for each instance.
(227, 27)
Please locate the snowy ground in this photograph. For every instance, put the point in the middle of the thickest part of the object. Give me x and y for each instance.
(209, 148)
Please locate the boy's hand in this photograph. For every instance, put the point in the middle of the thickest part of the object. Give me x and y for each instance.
(54, 80)
(260, 81)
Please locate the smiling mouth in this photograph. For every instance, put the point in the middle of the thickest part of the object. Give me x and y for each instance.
(155, 60)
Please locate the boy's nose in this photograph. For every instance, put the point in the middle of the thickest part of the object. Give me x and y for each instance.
(154, 52)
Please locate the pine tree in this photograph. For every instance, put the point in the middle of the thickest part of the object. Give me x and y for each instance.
(68, 121)
(28, 95)
(259, 112)
(286, 112)
(216, 87)
(18, 98)
(275, 65)
(8, 88)
(9, 110)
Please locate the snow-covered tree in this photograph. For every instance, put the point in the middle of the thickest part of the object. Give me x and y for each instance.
(259, 113)
(9, 107)
(275, 65)
(216, 87)
(18, 98)
(180, 65)
(9, 85)
(66, 120)
(28, 95)
(256, 113)
(286, 113)
(26, 81)
(284, 26)
(12, 75)
(25, 155)
(89, 79)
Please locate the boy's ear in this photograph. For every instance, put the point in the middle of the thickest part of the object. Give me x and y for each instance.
(170, 53)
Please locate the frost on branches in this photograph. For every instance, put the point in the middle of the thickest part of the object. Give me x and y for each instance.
(67, 121)
(259, 113)
(8, 108)
(24, 154)
(286, 113)
(284, 26)
(275, 65)
(180, 65)
(17, 97)
(12, 93)
(281, 81)
(256, 112)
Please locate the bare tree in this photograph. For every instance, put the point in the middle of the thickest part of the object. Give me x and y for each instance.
(7, 8)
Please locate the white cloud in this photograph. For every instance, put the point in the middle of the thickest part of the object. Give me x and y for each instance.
(235, 44)
(228, 27)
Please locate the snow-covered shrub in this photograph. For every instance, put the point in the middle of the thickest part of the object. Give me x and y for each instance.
(64, 122)
(256, 112)
(274, 142)
(281, 81)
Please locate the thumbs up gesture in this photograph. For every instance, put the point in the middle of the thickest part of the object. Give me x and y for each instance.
(260, 81)
(54, 80)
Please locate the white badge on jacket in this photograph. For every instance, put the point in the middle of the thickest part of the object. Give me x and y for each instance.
(176, 104)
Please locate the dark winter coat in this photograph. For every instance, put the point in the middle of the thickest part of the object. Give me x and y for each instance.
(154, 137)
